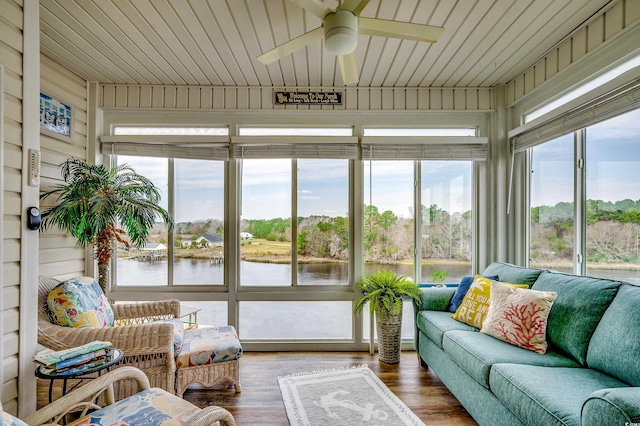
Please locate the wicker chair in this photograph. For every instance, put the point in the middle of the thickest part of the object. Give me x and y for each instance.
(82, 403)
(148, 347)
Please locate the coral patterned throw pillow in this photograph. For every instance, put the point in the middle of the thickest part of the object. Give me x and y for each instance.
(518, 316)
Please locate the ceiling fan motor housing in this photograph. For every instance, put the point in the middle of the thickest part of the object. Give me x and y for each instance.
(341, 32)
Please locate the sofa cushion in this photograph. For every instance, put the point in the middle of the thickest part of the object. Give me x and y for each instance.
(547, 396)
(80, 303)
(513, 273)
(519, 316)
(617, 337)
(475, 304)
(477, 352)
(435, 323)
(462, 289)
(577, 310)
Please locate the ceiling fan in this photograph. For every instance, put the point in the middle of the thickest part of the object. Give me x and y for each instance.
(340, 29)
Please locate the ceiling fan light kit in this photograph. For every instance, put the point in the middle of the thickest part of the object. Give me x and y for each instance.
(340, 29)
(341, 32)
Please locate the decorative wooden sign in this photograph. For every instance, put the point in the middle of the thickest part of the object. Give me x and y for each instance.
(308, 98)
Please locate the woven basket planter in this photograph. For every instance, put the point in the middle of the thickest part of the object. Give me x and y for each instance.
(389, 337)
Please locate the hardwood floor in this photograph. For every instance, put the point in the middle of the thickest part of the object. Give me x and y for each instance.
(260, 402)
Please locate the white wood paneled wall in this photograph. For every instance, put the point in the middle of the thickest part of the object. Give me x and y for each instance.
(60, 256)
(11, 57)
(593, 36)
(257, 98)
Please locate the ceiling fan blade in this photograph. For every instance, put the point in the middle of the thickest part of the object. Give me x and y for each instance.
(291, 46)
(349, 68)
(314, 6)
(396, 29)
(355, 6)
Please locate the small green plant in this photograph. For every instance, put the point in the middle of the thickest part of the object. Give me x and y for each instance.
(439, 276)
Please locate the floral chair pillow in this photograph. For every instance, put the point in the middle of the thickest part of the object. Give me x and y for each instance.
(80, 303)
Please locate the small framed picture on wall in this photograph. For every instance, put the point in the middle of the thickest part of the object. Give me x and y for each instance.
(56, 118)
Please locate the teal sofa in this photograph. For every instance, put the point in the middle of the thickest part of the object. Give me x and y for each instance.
(590, 374)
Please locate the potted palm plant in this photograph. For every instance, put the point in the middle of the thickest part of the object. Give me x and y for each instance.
(383, 291)
(94, 201)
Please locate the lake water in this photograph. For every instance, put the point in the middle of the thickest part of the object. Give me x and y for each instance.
(197, 271)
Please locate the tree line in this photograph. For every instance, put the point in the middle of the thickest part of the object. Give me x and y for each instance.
(387, 237)
(613, 232)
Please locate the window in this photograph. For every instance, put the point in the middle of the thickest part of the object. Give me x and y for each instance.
(319, 249)
(610, 200)
(294, 206)
(389, 223)
(266, 223)
(552, 211)
(293, 190)
(613, 198)
(194, 252)
(446, 215)
(198, 237)
(322, 242)
(147, 265)
(322, 320)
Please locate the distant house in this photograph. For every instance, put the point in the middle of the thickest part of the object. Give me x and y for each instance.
(154, 247)
(204, 240)
(246, 236)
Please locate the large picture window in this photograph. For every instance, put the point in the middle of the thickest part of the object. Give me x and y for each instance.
(289, 195)
(608, 195)
(320, 250)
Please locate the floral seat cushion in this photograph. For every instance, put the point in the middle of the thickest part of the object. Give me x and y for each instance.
(150, 407)
(80, 303)
(8, 420)
(209, 345)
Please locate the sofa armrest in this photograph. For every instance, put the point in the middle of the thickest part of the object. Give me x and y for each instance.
(435, 298)
(431, 299)
(616, 406)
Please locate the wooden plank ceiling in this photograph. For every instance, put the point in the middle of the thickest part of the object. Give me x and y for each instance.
(216, 42)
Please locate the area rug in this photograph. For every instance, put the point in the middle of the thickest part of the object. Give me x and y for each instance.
(349, 396)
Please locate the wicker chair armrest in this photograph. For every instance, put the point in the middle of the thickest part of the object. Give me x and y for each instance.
(209, 416)
(150, 310)
(132, 339)
(84, 397)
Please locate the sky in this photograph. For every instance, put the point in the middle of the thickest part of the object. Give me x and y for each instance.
(612, 164)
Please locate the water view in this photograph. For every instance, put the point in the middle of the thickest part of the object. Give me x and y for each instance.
(200, 271)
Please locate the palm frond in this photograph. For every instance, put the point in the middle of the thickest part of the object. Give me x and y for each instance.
(94, 199)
